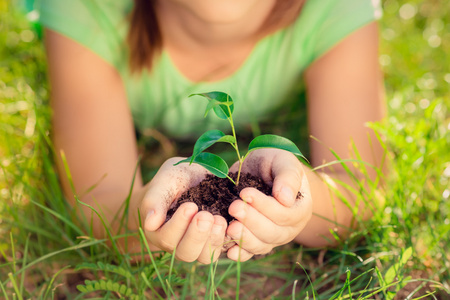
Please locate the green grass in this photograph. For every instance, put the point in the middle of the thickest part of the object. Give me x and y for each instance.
(400, 253)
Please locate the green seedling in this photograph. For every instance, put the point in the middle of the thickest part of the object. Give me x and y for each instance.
(222, 105)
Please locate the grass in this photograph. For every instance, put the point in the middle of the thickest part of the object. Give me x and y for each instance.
(400, 254)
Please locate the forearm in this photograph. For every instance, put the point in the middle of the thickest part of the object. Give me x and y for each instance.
(333, 208)
(112, 209)
(114, 214)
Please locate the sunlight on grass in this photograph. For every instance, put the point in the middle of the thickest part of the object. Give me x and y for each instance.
(400, 253)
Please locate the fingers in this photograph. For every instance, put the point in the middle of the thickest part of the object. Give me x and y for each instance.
(264, 223)
(259, 225)
(236, 253)
(203, 239)
(168, 236)
(213, 247)
(247, 240)
(194, 240)
(191, 235)
(256, 202)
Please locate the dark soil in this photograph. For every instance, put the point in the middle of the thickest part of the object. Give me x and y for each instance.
(215, 194)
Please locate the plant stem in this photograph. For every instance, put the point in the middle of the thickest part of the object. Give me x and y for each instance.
(230, 119)
(239, 170)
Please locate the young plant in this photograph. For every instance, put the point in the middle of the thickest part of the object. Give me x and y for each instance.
(222, 105)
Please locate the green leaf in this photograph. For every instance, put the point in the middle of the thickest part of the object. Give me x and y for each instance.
(122, 289)
(220, 102)
(406, 256)
(213, 163)
(274, 141)
(227, 139)
(82, 288)
(105, 285)
(394, 270)
(208, 139)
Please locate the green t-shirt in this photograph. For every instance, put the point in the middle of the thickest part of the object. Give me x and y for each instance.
(264, 82)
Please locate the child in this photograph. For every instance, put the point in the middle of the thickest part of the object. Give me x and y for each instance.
(120, 66)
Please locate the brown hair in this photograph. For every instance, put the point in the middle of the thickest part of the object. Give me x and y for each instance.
(145, 41)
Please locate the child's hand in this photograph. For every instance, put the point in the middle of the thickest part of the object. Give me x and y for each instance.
(264, 222)
(192, 235)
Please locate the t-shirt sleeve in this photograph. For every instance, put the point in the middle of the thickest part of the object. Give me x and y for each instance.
(330, 21)
(98, 25)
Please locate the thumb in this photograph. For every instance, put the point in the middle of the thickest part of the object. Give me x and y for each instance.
(155, 204)
(153, 220)
(287, 180)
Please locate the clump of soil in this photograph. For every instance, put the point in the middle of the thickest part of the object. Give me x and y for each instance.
(215, 194)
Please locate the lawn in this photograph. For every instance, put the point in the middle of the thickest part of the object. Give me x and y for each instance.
(401, 253)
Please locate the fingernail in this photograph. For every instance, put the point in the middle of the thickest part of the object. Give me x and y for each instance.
(203, 225)
(287, 195)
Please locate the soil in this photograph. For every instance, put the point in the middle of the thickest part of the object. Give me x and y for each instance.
(215, 194)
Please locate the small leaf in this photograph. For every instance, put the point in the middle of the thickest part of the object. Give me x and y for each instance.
(122, 289)
(220, 102)
(392, 272)
(103, 285)
(115, 287)
(213, 163)
(406, 255)
(274, 141)
(208, 139)
(82, 288)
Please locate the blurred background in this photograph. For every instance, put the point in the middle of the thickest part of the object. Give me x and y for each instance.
(406, 242)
